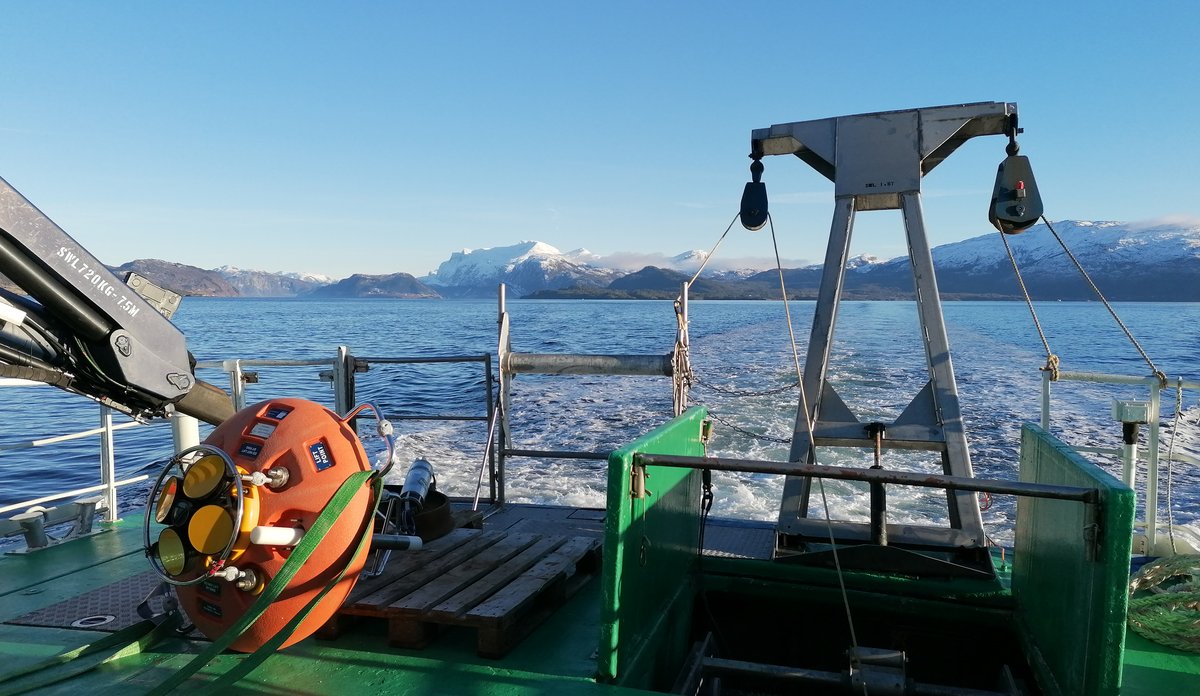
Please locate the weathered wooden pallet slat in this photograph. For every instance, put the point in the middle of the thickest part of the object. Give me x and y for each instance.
(485, 587)
(500, 583)
(463, 574)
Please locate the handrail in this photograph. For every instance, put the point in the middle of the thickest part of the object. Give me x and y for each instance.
(1129, 454)
(24, 505)
(345, 366)
(108, 485)
(905, 478)
(234, 369)
(30, 444)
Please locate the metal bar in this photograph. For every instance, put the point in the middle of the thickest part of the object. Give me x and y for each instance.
(108, 464)
(483, 418)
(16, 382)
(1046, 400)
(185, 431)
(1184, 458)
(554, 454)
(963, 508)
(343, 382)
(69, 494)
(566, 364)
(1107, 378)
(717, 666)
(441, 359)
(237, 388)
(66, 438)
(487, 451)
(907, 478)
(794, 503)
(493, 475)
(263, 362)
(1152, 466)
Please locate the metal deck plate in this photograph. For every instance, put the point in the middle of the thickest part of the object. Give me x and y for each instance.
(109, 608)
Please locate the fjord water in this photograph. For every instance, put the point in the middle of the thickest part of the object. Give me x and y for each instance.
(738, 348)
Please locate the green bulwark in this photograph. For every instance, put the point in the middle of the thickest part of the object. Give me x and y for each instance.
(650, 551)
(1071, 570)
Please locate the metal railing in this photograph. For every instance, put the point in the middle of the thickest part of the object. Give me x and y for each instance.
(1130, 454)
(341, 374)
(107, 460)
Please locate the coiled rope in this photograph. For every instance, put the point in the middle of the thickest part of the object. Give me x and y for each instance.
(1170, 614)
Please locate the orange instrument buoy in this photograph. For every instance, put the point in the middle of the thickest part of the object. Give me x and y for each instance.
(235, 506)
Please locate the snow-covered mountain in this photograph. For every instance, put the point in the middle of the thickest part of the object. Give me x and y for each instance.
(526, 268)
(266, 284)
(1132, 261)
(1128, 261)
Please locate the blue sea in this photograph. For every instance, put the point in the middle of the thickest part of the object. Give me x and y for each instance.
(739, 350)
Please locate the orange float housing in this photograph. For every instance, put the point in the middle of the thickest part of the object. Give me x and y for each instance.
(319, 451)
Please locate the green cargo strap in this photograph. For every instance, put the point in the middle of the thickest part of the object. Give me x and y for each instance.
(300, 554)
(253, 660)
(128, 641)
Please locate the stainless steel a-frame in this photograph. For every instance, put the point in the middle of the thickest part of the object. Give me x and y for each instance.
(876, 162)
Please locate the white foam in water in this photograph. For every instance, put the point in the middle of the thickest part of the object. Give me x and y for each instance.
(877, 366)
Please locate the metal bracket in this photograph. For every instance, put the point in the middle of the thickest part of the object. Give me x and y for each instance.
(637, 486)
(1093, 531)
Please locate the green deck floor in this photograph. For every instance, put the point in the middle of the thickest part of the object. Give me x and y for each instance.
(557, 658)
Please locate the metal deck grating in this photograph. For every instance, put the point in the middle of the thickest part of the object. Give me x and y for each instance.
(109, 608)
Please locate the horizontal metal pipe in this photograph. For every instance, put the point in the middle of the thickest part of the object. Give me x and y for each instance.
(554, 454)
(907, 478)
(29, 444)
(1104, 378)
(71, 494)
(721, 666)
(445, 418)
(265, 362)
(439, 359)
(565, 364)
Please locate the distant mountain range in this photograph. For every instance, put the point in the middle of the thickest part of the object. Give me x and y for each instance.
(1156, 262)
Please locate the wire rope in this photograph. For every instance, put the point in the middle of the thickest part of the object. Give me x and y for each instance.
(812, 443)
(1051, 359)
(1162, 378)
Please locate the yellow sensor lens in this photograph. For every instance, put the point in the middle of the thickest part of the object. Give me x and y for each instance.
(166, 500)
(171, 553)
(204, 476)
(210, 529)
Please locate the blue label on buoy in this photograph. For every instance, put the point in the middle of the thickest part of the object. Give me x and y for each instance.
(320, 456)
(249, 449)
(278, 413)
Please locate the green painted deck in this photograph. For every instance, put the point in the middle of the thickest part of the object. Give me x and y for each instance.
(633, 627)
(557, 658)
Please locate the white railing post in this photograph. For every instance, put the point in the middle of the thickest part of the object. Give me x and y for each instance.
(1046, 400)
(343, 381)
(237, 388)
(1152, 467)
(108, 469)
(185, 431)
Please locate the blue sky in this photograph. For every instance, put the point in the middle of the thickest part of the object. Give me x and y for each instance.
(379, 137)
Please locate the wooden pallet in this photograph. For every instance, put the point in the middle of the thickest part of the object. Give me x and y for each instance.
(503, 584)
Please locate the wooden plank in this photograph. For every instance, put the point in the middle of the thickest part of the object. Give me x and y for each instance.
(449, 610)
(404, 562)
(506, 604)
(415, 574)
(462, 575)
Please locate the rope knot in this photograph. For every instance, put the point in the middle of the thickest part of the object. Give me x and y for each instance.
(1052, 366)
